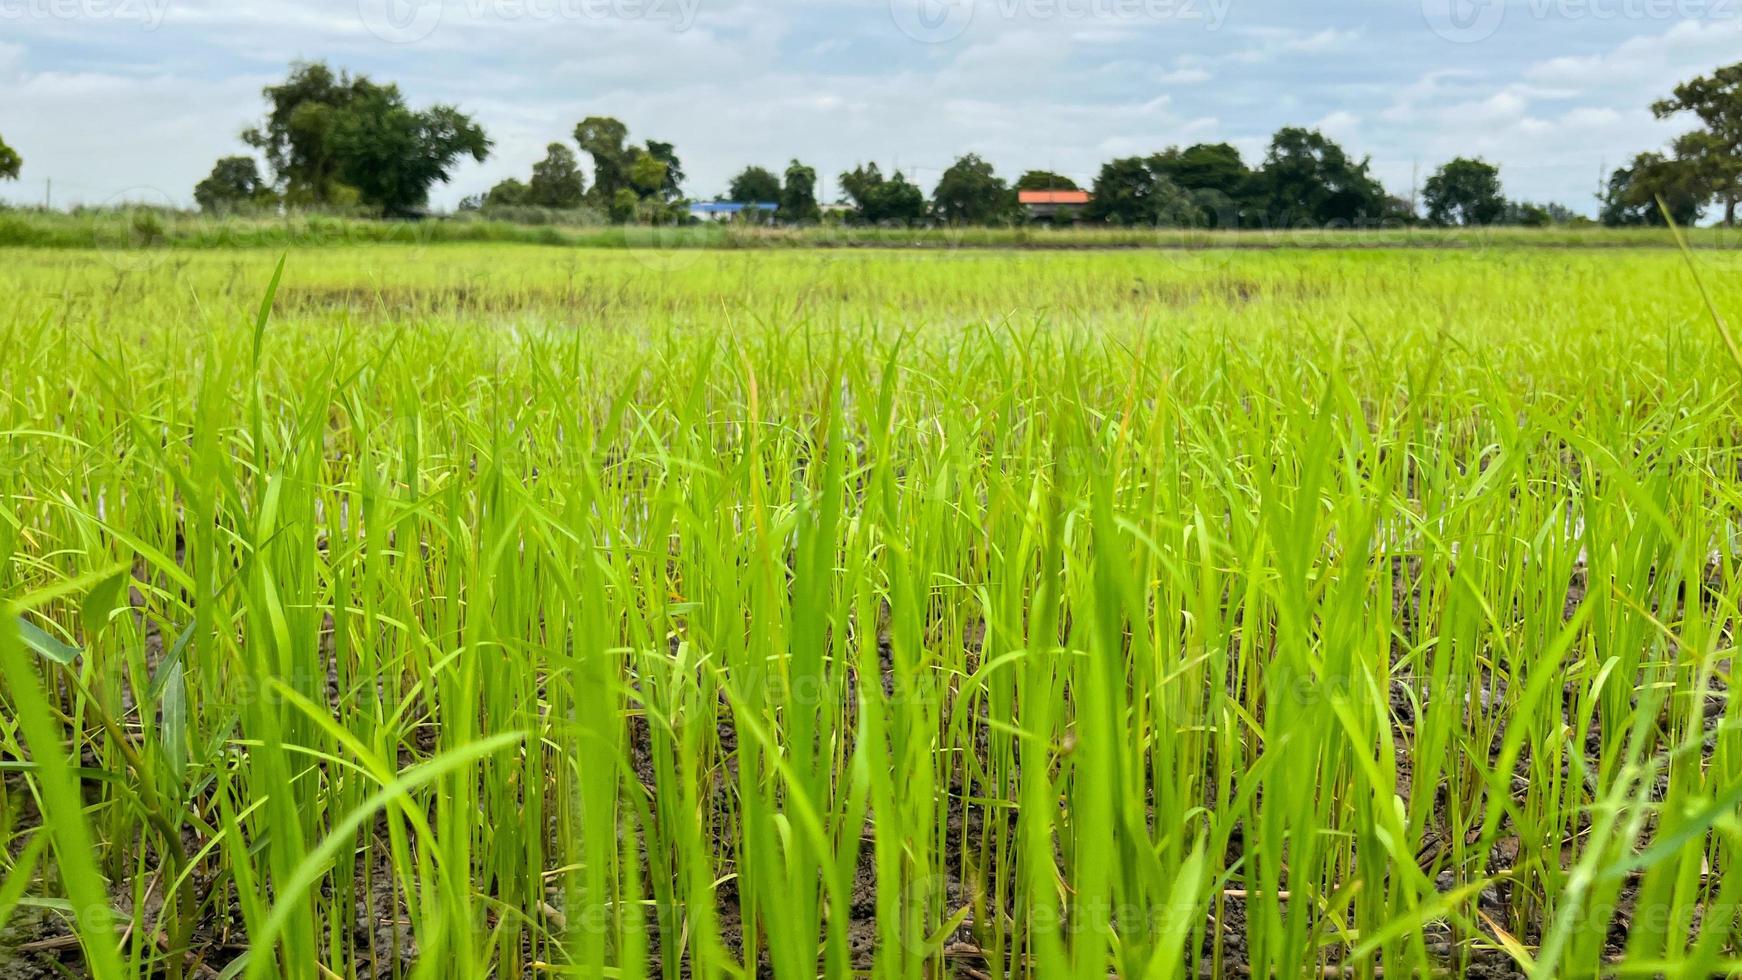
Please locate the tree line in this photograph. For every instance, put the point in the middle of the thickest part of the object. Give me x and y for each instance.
(337, 140)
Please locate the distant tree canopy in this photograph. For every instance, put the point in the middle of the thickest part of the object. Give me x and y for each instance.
(754, 185)
(393, 155)
(557, 184)
(509, 193)
(1528, 215)
(234, 183)
(1713, 154)
(1128, 191)
(630, 183)
(602, 138)
(10, 162)
(970, 193)
(1045, 180)
(557, 181)
(671, 186)
(880, 201)
(798, 197)
(1307, 179)
(1216, 179)
(342, 139)
(333, 138)
(1465, 192)
(1634, 192)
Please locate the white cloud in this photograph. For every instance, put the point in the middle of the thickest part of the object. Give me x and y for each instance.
(1340, 124)
(102, 107)
(1275, 42)
(1184, 76)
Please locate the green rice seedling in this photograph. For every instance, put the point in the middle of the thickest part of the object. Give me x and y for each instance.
(422, 609)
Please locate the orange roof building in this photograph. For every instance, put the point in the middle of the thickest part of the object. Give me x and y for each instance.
(1059, 206)
(1081, 198)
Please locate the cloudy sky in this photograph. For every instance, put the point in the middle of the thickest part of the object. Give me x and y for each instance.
(134, 99)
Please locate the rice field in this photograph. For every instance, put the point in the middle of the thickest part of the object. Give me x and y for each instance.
(515, 611)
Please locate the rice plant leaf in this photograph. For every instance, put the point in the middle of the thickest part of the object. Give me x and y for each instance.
(12, 888)
(46, 644)
(102, 601)
(175, 717)
(265, 313)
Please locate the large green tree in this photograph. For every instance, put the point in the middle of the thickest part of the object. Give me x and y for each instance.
(296, 136)
(393, 154)
(971, 193)
(1307, 179)
(1716, 150)
(755, 185)
(881, 201)
(335, 138)
(630, 182)
(798, 197)
(1464, 192)
(557, 181)
(10, 162)
(1215, 177)
(1635, 191)
(1128, 191)
(234, 183)
(647, 174)
(510, 193)
(603, 139)
(671, 187)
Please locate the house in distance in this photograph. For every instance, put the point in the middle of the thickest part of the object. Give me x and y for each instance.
(1059, 207)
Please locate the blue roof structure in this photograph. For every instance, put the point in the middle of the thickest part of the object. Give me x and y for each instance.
(731, 207)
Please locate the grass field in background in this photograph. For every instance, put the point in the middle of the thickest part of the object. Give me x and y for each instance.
(502, 610)
(138, 228)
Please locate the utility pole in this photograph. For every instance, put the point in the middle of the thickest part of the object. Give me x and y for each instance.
(48, 195)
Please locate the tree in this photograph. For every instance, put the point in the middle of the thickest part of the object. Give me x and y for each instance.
(557, 182)
(671, 188)
(234, 182)
(1634, 192)
(652, 175)
(1045, 180)
(1308, 179)
(11, 164)
(392, 155)
(336, 138)
(510, 193)
(602, 138)
(624, 205)
(877, 201)
(1529, 214)
(1128, 191)
(296, 136)
(970, 193)
(1215, 177)
(756, 185)
(798, 199)
(1465, 192)
(647, 174)
(860, 184)
(900, 201)
(1715, 152)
